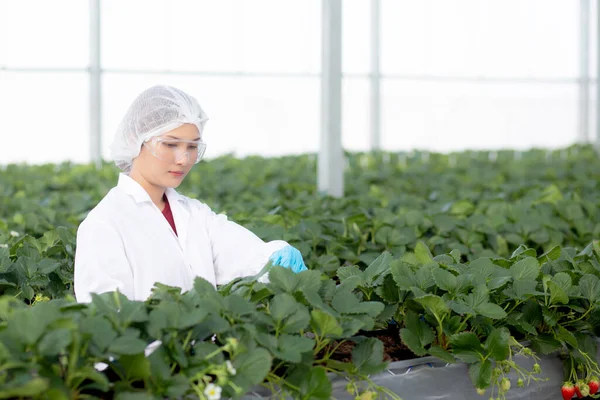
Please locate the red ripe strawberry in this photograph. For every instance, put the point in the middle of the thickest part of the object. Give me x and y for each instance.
(568, 391)
(594, 385)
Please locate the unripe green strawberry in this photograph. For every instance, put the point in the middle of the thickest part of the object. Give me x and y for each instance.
(505, 385)
(582, 389)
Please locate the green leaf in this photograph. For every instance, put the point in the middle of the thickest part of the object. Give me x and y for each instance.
(455, 253)
(54, 342)
(237, 305)
(315, 385)
(353, 271)
(590, 287)
(497, 344)
(444, 279)
(522, 289)
(251, 367)
(424, 276)
(324, 324)
(314, 300)
(491, 310)
(442, 354)
(557, 294)
(284, 278)
(127, 345)
(24, 386)
(495, 283)
(403, 275)
(564, 335)
(28, 325)
(367, 357)
(101, 331)
(525, 269)
(88, 372)
(47, 265)
(291, 347)
(482, 267)
(289, 315)
(481, 374)
(466, 347)
(417, 334)
(423, 253)
(346, 302)
(282, 306)
(136, 366)
(552, 254)
(435, 305)
(545, 344)
(378, 268)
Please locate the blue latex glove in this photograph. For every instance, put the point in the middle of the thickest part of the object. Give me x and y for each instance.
(289, 257)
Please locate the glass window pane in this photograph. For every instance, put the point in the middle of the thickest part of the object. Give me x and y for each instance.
(505, 38)
(280, 35)
(268, 116)
(355, 114)
(356, 36)
(3, 32)
(451, 116)
(207, 35)
(49, 36)
(593, 52)
(134, 34)
(48, 119)
(203, 35)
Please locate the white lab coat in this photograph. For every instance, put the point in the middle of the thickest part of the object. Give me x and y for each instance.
(126, 243)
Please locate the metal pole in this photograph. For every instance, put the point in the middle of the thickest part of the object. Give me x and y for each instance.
(597, 111)
(375, 104)
(95, 85)
(330, 178)
(584, 73)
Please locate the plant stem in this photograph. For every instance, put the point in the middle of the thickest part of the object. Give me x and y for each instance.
(581, 317)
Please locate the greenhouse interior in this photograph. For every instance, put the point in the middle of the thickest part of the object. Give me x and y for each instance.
(344, 199)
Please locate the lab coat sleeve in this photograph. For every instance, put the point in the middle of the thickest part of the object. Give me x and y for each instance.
(237, 251)
(101, 263)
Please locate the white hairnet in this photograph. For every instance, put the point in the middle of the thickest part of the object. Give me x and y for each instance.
(155, 111)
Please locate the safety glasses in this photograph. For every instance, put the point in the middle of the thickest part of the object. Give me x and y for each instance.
(172, 150)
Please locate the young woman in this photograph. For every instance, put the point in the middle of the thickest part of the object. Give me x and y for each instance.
(143, 231)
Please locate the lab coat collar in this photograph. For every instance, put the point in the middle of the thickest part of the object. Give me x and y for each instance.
(180, 214)
(135, 190)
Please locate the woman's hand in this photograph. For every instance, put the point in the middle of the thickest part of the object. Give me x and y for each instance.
(289, 257)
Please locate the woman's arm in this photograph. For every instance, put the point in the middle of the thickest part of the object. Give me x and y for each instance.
(237, 252)
(101, 264)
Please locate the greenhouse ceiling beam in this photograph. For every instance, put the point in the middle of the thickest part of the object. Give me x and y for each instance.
(584, 73)
(375, 100)
(240, 74)
(95, 73)
(330, 169)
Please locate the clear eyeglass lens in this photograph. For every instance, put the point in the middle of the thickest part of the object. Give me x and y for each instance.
(174, 150)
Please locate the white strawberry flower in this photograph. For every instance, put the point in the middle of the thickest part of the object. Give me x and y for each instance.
(212, 391)
(230, 368)
(14, 233)
(3, 246)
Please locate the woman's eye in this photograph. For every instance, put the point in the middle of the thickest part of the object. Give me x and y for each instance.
(171, 145)
(193, 147)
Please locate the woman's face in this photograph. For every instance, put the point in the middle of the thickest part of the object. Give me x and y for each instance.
(173, 165)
